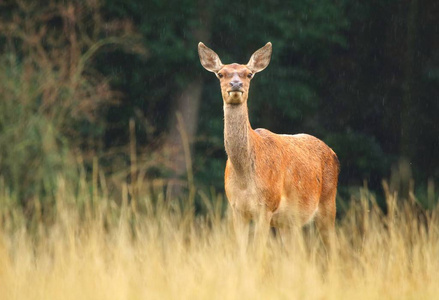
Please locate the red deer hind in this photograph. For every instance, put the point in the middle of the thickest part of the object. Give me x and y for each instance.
(274, 180)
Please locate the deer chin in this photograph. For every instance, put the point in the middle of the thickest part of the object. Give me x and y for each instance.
(234, 97)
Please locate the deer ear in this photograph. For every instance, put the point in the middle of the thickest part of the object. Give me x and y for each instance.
(260, 59)
(209, 59)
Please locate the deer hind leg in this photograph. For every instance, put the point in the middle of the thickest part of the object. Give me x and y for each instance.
(325, 219)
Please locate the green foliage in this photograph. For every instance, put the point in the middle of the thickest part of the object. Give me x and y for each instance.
(33, 153)
(362, 156)
(150, 86)
(52, 98)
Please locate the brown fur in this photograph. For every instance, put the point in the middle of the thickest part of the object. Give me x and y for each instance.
(276, 180)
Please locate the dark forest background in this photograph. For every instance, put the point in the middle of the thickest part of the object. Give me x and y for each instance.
(115, 88)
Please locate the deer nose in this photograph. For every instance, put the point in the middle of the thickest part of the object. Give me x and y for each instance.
(236, 84)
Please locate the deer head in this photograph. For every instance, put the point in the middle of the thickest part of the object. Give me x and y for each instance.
(234, 78)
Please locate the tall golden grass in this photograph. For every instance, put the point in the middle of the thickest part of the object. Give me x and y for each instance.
(96, 246)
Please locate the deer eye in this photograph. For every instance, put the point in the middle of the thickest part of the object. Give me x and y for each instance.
(250, 75)
(220, 75)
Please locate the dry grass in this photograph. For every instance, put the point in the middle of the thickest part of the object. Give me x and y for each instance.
(147, 251)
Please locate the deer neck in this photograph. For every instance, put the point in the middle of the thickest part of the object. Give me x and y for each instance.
(238, 138)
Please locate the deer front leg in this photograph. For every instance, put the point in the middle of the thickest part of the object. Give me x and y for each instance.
(262, 230)
(241, 226)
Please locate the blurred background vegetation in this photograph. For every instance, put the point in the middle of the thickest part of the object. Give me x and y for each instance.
(114, 89)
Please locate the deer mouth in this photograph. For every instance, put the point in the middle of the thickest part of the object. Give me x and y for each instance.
(235, 97)
(235, 94)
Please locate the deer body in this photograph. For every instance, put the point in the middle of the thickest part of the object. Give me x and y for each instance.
(275, 180)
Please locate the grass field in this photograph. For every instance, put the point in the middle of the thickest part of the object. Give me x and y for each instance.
(92, 248)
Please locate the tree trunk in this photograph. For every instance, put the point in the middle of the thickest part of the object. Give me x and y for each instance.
(181, 136)
(184, 122)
